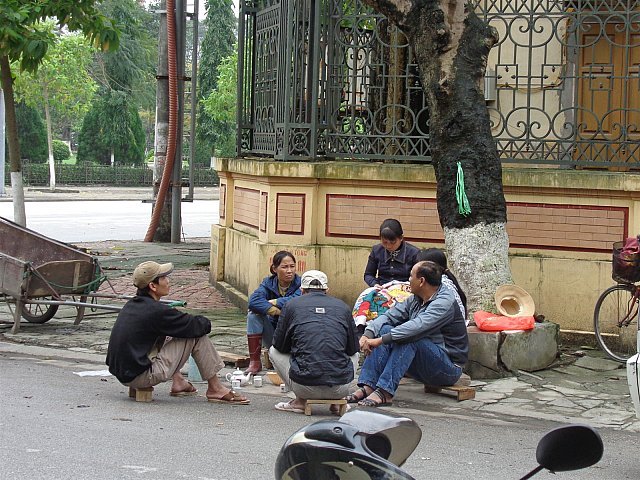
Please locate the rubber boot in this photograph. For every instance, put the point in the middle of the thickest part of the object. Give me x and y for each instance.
(254, 340)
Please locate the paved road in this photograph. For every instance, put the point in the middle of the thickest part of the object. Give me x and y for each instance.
(57, 425)
(89, 221)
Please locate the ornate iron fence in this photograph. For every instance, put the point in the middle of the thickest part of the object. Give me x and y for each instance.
(330, 78)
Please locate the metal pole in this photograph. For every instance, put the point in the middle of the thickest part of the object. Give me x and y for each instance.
(163, 233)
(2, 192)
(241, 55)
(194, 98)
(176, 190)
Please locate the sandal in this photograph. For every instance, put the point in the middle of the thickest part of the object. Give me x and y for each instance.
(189, 392)
(288, 407)
(355, 397)
(231, 397)
(368, 402)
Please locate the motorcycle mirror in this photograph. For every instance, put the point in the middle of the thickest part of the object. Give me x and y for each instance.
(391, 437)
(566, 448)
(360, 445)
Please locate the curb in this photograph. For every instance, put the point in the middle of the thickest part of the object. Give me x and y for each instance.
(236, 297)
(48, 352)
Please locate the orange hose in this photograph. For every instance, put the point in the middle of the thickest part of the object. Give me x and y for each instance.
(167, 172)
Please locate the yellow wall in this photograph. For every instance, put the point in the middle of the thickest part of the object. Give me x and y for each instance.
(565, 283)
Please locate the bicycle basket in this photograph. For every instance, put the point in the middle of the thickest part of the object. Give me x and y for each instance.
(625, 266)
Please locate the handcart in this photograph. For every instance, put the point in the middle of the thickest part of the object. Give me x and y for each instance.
(38, 274)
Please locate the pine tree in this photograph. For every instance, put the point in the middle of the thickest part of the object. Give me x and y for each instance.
(32, 134)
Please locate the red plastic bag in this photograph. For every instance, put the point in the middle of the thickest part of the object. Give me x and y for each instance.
(626, 261)
(490, 322)
(630, 246)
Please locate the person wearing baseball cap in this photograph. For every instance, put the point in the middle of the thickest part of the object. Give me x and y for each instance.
(151, 341)
(315, 348)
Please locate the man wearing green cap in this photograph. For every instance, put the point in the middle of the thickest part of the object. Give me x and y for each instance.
(151, 341)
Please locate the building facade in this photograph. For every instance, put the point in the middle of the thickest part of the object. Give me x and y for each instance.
(334, 138)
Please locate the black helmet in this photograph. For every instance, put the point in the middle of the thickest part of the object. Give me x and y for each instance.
(361, 445)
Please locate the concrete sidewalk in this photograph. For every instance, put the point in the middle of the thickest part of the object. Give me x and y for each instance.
(582, 386)
(81, 193)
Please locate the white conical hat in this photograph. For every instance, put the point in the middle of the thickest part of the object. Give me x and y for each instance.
(514, 301)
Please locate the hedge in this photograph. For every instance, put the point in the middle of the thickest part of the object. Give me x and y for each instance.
(89, 174)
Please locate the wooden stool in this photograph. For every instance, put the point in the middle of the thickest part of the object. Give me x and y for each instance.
(342, 402)
(141, 394)
(461, 392)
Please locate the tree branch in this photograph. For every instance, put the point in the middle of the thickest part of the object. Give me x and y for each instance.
(398, 11)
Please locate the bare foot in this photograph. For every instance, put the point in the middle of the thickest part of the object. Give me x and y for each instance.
(217, 392)
(298, 403)
(179, 384)
(229, 397)
(335, 409)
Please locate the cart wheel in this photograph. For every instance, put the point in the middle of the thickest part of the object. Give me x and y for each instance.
(38, 312)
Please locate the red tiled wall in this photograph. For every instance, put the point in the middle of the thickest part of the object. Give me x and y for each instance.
(246, 206)
(361, 216)
(264, 203)
(530, 225)
(223, 200)
(290, 211)
(567, 227)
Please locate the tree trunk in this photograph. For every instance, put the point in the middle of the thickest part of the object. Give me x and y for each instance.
(451, 46)
(17, 189)
(52, 161)
(2, 143)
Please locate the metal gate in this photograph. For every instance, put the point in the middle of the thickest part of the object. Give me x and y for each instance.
(332, 79)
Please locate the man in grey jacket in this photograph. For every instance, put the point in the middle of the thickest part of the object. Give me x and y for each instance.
(315, 350)
(425, 336)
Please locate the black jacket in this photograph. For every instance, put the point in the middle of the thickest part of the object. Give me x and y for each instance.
(382, 267)
(140, 323)
(319, 332)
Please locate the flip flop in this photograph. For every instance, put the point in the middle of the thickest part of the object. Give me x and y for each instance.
(185, 393)
(230, 397)
(287, 407)
(368, 402)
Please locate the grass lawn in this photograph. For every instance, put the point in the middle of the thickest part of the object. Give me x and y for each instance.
(70, 161)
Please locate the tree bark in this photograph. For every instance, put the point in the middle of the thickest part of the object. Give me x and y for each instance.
(451, 45)
(17, 189)
(52, 161)
(2, 143)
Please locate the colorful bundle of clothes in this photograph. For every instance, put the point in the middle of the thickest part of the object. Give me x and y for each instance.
(373, 302)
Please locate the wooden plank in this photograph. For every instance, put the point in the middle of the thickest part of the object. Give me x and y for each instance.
(233, 358)
(461, 392)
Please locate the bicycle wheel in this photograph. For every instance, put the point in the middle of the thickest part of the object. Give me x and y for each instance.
(616, 321)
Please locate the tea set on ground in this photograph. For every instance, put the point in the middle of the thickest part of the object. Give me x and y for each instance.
(239, 379)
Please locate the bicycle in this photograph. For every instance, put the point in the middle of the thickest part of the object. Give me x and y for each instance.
(617, 310)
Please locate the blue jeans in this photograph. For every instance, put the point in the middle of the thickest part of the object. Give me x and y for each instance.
(423, 360)
(260, 324)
